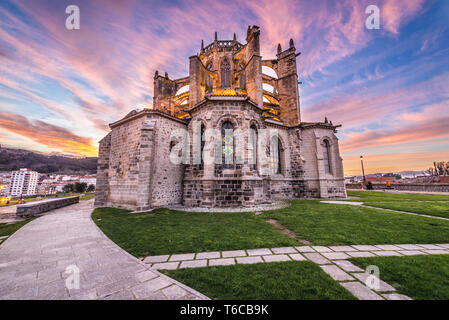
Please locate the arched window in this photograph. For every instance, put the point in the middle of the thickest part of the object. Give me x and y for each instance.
(243, 82)
(227, 136)
(203, 142)
(209, 83)
(225, 74)
(275, 155)
(326, 148)
(253, 139)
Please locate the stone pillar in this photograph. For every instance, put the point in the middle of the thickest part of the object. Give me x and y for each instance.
(146, 156)
(288, 86)
(102, 185)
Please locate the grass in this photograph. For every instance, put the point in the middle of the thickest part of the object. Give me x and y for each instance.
(263, 281)
(433, 205)
(9, 229)
(87, 197)
(370, 196)
(165, 231)
(333, 224)
(438, 209)
(419, 277)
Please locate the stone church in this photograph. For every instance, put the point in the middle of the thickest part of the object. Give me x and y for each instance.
(230, 88)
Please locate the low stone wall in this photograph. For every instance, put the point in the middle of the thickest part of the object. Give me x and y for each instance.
(424, 187)
(33, 209)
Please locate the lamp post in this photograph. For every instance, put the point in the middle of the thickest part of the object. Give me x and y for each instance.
(363, 171)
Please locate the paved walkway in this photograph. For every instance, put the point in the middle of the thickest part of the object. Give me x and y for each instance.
(332, 259)
(33, 263)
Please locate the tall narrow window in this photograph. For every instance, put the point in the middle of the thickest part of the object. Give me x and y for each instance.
(203, 142)
(275, 155)
(243, 82)
(225, 74)
(227, 135)
(326, 159)
(253, 139)
(209, 83)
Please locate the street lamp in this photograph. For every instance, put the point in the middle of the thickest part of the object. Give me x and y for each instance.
(363, 170)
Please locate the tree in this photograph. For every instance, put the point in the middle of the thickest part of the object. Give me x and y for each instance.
(69, 187)
(90, 188)
(80, 187)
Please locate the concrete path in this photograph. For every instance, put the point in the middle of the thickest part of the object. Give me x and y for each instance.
(46, 257)
(332, 259)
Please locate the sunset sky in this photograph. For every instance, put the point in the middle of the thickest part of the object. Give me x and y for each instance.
(389, 88)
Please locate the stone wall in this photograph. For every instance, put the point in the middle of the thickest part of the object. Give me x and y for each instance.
(35, 208)
(135, 171)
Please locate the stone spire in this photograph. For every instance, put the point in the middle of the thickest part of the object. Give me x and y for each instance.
(279, 48)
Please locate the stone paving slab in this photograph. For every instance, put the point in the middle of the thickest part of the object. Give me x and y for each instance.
(430, 246)
(317, 258)
(383, 286)
(360, 291)
(342, 248)
(335, 255)
(284, 250)
(396, 296)
(222, 262)
(321, 249)
(276, 258)
(305, 249)
(365, 247)
(409, 246)
(348, 266)
(361, 254)
(233, 253)
(249, 260)
(436, 251)
(193, 264)
(388, 247)
(208, 255)
(182, 257)
(411, 252)
(154, 259)
(297, 257)
(336, 273)
(387, 253)
(34, 261)
(259, 252)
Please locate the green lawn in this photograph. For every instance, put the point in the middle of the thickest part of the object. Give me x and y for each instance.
(419, 277)
(165, 231)
(333, 224)
(434, 208)
(386, 196)
(263, 281)
(434, 205)
(9, 229)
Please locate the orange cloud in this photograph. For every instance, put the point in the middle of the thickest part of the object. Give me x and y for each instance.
(47, 134)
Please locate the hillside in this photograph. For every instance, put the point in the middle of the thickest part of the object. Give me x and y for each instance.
(14, 159)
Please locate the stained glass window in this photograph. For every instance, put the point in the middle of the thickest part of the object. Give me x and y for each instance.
(225, 75)
(209, 83)
(203, 142)
(227, 134)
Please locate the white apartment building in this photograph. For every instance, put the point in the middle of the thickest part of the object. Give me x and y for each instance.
(23, 183)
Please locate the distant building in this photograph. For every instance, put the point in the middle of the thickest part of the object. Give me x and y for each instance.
(380, 179)
(23, 183)
(88, 180)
